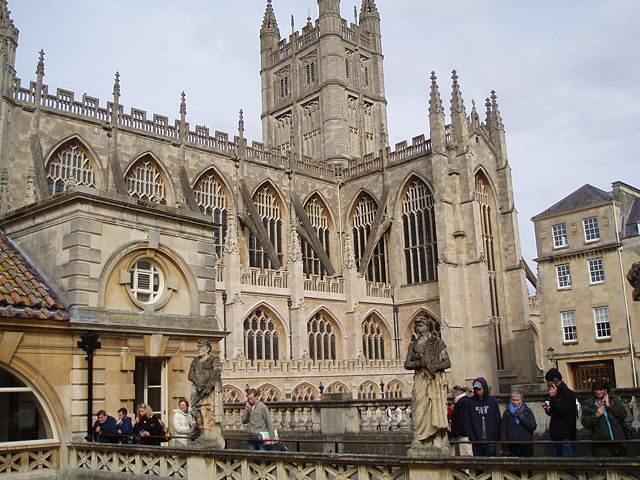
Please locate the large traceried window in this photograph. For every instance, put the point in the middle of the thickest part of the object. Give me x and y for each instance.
(144, 181)
(22, 417)
(373, 339)
(321, 336)
(363, 218)
(419, 228)
(211, 198)
(317, 213)
(261, 336)
(268, 207)
(69, 166)
(304, 392)
(486, 202)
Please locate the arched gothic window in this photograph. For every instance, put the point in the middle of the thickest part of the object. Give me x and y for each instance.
(394, 389)
(368, 391)
(144, 181)
(22, 417)
(337, 387)
(211, 198)
(319, 219)
(69, 166)
(322, 338)
(231, 394)
(363, 217)
(372, 339)
(419, 228)
(304, 392)
(269, 393)
(486, 203)
(268, 207)
(261, 337)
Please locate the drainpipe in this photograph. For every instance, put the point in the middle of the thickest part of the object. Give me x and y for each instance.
(224, 317)
(632, 349)
(89, 344)
(289, 303)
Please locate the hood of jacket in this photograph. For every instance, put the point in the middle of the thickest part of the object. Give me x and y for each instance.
(485, 386)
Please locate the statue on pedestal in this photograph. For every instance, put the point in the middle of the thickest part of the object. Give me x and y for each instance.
(428, 358)
(205, 375)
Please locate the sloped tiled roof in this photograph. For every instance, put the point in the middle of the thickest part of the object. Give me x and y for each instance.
(23, 293)
(584, 196)
(630, 228)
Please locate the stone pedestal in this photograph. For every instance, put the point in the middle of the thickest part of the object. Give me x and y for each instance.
(211, 429)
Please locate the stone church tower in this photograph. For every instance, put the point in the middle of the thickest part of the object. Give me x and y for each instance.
(312, 252)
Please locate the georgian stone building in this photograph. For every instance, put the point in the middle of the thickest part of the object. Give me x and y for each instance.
(586, 244)
(315, 249)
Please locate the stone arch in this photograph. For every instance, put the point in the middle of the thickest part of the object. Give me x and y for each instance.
(324, 336)
(211, 169)
(397, 202)
(213, 197)
(179, 281)
(354, 203)
(73, 155)
(304, 392)
(395, 389)
(269, 393)
(321, 198)
(48, 404)
(322, 222)
(376, 337)
(264, 341)
(368, 390)
(271, 207)
(231, 394)
(160, 190)
(336, 387)
(482, 172)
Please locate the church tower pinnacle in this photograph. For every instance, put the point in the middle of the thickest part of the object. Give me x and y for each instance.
(8, 45)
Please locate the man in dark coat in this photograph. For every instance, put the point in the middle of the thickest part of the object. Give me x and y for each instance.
(482, 419)
(458, 432)
(561, 407)
(105, 425)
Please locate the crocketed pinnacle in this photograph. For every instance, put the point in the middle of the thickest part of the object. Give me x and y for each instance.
(183, 104)
(241, 124)
(5, 14)
(40, 67)
(435, 102)
(475, 118)
(269, 21)
(116, 85)
(368, 6)
(457, 103)
(496, 110)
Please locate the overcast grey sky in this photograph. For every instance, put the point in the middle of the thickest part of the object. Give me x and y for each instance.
(567, 73)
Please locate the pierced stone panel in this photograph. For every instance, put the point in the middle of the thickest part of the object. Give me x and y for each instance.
(269, 393)
(231, 394)
(304, 392)
(373, 339)
(69, 166)
(212, 200)
(368, 391)
(321, 336)
(261, 337)
(144, 181)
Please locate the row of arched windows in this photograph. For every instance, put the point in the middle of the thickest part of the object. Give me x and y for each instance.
(71, 165)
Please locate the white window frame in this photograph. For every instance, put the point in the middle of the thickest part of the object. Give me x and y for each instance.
(569, 327)
(559, 235)
(597, 273)
(602, 319)
(591, 229)
(137, 274)
(564, 279)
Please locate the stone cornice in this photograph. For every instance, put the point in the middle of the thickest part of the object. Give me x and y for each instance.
(566, 254)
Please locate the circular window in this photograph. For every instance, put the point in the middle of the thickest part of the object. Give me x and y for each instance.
(147, 282)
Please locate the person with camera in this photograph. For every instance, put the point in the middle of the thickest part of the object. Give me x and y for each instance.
(603, 414)
(561, 407)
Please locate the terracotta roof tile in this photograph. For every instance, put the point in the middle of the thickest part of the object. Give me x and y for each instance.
(23, 293)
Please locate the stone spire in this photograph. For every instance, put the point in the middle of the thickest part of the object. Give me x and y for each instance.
(8, 46)
(436, 117)
(496, 127)
(457, 103)
(370, 17)
(459, 123)
(368, 6)
(269, 35)
(5, 14)
(183, 106)
(116, 87)
(475, 118)
(40, 67)
(241, 124)
(39, 77)
(497, 118)
(269, 22)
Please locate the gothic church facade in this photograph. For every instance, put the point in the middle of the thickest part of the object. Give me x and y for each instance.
(314, 250)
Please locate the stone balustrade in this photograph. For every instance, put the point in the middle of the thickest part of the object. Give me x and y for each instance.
(307, 365)
(316, 283)
(21, 460)
(264, 277)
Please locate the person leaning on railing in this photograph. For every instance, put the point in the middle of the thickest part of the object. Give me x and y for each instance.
(148, 426)
(603, 414)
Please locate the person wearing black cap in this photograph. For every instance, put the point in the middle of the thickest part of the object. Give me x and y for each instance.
(482, 419)
(561, 407)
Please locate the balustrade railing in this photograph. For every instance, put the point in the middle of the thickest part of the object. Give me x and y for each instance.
(264, 277)
(25, 459)
(380, 290)
(316, 283)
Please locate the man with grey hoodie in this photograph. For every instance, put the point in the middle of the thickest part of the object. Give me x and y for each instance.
(482, 419)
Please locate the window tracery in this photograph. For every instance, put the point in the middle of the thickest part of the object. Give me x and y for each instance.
(363, 218)
(144, 181)
(337, 387)
(269, 393)
(70, 166)
(261, 337)
(231, 394)
(304, 392)
(268, 208)
(373, 339)
(419, 228)
(317, 213)
(368, 391)
(211, 198)
(321, 337)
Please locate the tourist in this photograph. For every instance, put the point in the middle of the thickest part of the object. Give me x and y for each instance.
(184, 425)
(482, 419)
(124, 426)
(458, 432)
(149, 426)
(258, 422)
(399, 417)
(518, 424)
(603, 414)
(561, 407)
(104, 430)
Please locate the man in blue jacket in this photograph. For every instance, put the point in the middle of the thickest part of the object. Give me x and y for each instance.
(482, 419)
(105, 425)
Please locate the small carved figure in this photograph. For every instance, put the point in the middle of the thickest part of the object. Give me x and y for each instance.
(428, 358)
(634, 279)
(205, 375)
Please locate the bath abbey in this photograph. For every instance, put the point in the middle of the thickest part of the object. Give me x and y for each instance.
(304, 257)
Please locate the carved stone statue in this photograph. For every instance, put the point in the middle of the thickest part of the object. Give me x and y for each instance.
(633, 275)
(428, 358)
(205, 375)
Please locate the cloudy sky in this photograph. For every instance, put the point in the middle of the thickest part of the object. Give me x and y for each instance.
(567, 73)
